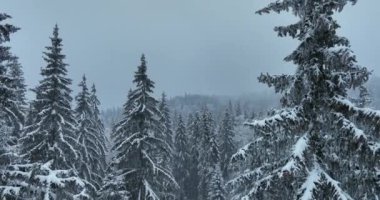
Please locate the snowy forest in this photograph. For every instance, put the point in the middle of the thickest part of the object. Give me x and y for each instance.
(316, 137)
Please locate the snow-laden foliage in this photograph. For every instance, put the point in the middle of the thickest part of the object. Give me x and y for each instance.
(166, 161)
(12, 102)
(12, 88)
(320, 145)
(216, 190)
(44, 181)
(139, 146)
(182, 159)
(98, 123)
(92, 144)
(49, 150)
(193, 129)
(165, 112)
(209, 160)
(227, 144)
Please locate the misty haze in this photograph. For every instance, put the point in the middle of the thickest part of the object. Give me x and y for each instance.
(189, 100)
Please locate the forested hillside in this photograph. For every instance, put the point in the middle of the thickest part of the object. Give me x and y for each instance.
(316, 137)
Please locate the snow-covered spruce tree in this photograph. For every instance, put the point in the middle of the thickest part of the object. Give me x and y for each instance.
(167, 135)
(193, 129)
(181, 158)
(49, 145)
(137, 138)
(335, 153)
(209, 155)
(11, 112)
(100, 130)
(164, 109)
(11, 116)
(91, 165)
(211, 184)
(216, 190)
(227, 145)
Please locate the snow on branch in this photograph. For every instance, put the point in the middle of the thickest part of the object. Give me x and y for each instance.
(297, 157)
(341, 104)
(374, 146)
(307, 188)
(42, 179)
(57, 177)
(348, 126)
(284, 118)
(243, 153)
(277, 7)
(261, 184)
(280, 83)
(258, 179)
(159, 170)
(10, 191)
(247, 177)
(150, 194)
(317, 177)
(339, 193)
(358, 134)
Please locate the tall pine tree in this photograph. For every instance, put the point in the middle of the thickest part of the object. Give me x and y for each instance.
(95, 103)
(182, 159)
(91, 165)
(209, 155)
(138, 137)
(166, 161)
(335, 144)
(11, 114)
(12, 88)
(193, 128)
(227, 145)
(49, 143)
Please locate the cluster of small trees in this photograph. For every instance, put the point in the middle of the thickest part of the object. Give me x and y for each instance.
(53, 151)
(49, 150)
(155, 160)
(203, 149)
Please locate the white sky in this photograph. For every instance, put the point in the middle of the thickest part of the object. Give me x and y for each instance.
(197, 46)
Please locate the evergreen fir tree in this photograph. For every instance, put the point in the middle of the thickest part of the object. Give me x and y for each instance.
(95, 103)
(335, 151)
(11, 114)
(91, 165)
(99, 127)
(164, 109)
(211, 184)
(216, 189)
(167, 135)
(208, 152)
(182, 159)
(138, 137)
(227, 145)
(49, 143)
(193, 128)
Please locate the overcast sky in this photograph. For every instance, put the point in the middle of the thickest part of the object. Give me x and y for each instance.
(195, 46)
